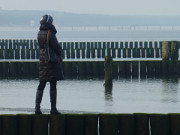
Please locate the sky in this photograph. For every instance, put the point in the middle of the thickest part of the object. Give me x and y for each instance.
(109, 7)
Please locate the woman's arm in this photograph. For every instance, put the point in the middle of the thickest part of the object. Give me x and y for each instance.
(53, 43)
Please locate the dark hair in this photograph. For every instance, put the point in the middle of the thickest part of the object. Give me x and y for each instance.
(46, 19)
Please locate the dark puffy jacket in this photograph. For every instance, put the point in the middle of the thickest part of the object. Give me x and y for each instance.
(49, 71)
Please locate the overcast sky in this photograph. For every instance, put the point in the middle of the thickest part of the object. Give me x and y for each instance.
(113, 7)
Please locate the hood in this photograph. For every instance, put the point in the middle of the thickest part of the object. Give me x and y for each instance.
(48, 26)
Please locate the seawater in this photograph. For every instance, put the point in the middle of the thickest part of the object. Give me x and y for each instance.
(97, 34)
(128, 95)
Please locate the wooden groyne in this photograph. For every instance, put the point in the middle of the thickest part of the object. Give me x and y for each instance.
(90, 124)
(20, 58)
(94, 68)
(29, 50)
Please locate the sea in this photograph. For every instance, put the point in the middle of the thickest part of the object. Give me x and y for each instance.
(88, 95)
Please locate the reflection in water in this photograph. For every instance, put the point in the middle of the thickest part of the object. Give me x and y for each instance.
(108, 98)
(170, 90)
(128, 95)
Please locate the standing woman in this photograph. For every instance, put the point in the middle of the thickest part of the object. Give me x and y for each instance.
(48, 71)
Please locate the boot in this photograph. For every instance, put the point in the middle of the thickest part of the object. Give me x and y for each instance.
(53, 97)
(39, 95)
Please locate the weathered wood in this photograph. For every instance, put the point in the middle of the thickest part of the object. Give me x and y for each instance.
(91, 124)
(40, 124)
(127, 124)
(115, 66)
(141, 124)
(58, 124)
(150, 68)
(122, 68)
(135, 68)
(174, 124)
(75, 122)
(1, 125)
(67, 66)
(25, 124)
(165, 50)
(108, 124)
(159, 124)
(108, 71)
(10, 125)
(82, 68)
(174, 50)
(158, 67)
(143, 67)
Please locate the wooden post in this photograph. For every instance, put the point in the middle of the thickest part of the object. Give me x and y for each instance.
(1, 54)
(82, 68)
(141, 124)
(150, 68)
(67, 66)
(174, 124)
(108, 124)
(91, 124)
(159, 124)
(75, 124)
(169, 56)
(25, 124)
(126, 124)
(57, 124)
(74, 68)
(135, 68)
(108, 71)
(122, 68)
(1, 125)
(95, 68)
(10, 124)
(158, 67)
(101, 66)
(5, 69)
(115, 66)
(165, 50)
(174, 50)
(89, 71)
(40, 124)
(143, 68)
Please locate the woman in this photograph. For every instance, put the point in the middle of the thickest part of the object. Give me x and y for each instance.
(48, 71)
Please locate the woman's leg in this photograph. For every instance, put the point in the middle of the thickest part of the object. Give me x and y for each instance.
(39, 95)
(53, 97)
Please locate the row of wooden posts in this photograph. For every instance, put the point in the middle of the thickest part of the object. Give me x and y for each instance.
(90, 124)
(33, 44)
(33, 54)
(25, 50)
(96, 68)
(29, 49)
(169, 65)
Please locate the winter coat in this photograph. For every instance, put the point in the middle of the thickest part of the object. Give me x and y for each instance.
(49, 71)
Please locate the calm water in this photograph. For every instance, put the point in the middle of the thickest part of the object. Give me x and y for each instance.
(128, 95)
(125, 34)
